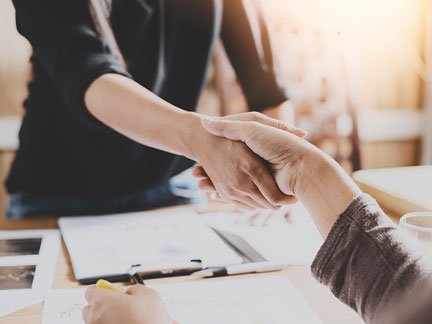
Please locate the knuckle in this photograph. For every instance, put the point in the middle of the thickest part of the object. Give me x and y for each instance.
(276, 199)
(238, 184)
(254, 116)
(282, 125)
(293, 200)
(255, 169)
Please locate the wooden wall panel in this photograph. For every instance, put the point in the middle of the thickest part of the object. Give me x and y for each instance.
(390, 154)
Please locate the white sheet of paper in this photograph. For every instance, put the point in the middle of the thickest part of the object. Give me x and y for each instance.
(14, 300)
(64, 306)
(45, 262)
(109, 245)
(265, 300)
(295, 242)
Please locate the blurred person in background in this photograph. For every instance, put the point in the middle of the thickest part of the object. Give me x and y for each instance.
(110, 117)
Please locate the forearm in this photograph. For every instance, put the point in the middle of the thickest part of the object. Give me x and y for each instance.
(367, 264)
(137, 113)
(364, 259)
(327, 189)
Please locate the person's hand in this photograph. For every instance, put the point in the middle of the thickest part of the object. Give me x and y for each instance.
(300, 169)
(283, 151)
(139, 305)
(235, 172)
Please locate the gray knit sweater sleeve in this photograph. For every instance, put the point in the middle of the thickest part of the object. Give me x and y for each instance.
(368, 265)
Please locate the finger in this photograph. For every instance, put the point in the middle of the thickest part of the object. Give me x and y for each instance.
(241, 205)
(260, 218)
(233, 130)
(253, 218)
(288, 217)
(86, 314)
(267, 219)
(244, 197)
(90, 292)
(149, 294)
(95, 295)
(199, 172)
(216, 197)
(261, 200)
(251, 202)
(266, 120)
(270, 190)
(206, 185)
(286, 214)
(248, 215)
(137, 289)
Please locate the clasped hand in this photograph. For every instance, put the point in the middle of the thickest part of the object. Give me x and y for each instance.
(258, 167)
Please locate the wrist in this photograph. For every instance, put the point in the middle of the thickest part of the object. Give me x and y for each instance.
(323, 174)
(310, 172)
(192, 136)
(329, 190)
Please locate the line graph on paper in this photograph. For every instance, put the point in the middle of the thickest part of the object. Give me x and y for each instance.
(71, 311)
(242, 301)
(225, 308)
(264, 300)
(222, 303)
(64, 306)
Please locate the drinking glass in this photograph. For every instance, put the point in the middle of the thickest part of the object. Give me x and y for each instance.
(418, 227)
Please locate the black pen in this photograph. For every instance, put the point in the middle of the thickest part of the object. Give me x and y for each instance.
(153, 271)
(244, 268)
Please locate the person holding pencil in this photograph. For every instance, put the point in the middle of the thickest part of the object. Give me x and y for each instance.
(364, 260)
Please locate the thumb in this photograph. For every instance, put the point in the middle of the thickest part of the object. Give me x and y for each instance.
(233, 130)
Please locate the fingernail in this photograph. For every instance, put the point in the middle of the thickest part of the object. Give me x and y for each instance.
(300, 132)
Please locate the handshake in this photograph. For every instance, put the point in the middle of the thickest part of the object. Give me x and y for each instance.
(269, 166)
(260, 162)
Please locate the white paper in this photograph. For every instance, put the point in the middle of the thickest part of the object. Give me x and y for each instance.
(44, 263)
(109, 245)
(14, 300)
(64, 306)
(295, 242)
(269, 300)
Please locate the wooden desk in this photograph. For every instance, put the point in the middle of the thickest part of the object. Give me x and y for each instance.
(328, 308)
(398, 190)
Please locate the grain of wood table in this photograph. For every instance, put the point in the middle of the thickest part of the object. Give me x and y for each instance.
(328, 308)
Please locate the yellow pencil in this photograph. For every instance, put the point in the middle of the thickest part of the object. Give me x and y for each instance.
(108, 285)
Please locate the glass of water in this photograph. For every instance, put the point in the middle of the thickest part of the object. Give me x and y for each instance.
(418, 227)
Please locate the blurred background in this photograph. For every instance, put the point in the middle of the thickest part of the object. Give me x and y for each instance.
(359, 75)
